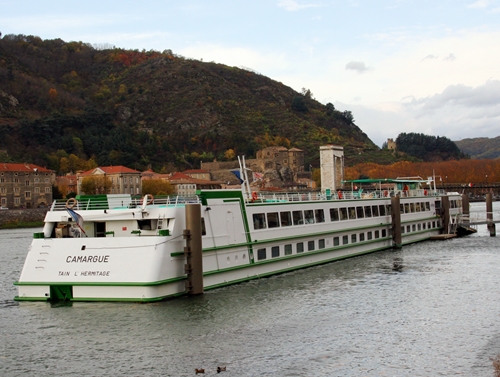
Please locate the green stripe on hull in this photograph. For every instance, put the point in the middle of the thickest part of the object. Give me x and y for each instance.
(104, 284)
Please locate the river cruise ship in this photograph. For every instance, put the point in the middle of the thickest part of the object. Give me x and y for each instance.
(119, 248)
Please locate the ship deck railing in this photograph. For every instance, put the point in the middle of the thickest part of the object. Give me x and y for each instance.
(122, 203)
(267, 197)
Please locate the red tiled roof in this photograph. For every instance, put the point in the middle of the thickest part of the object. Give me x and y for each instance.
(180, 177)
(110, 170)
(195, 171)
(10, 167)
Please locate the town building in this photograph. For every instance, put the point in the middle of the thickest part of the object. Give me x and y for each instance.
(198, 174)
(185, 185)
(279, 157)
(275, 166)
(122, 180)
(25, 185)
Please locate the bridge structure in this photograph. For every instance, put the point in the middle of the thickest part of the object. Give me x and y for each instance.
(474, 191)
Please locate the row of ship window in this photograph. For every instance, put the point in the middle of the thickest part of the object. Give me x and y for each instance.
(312, 245)
(419, 226)
(287, 218)
(300, 247)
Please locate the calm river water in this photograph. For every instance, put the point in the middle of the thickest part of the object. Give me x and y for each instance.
(430, 309)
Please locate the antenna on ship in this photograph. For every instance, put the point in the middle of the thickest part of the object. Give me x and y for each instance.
(245, 185)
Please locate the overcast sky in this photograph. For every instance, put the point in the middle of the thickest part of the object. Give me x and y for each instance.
(430, 66)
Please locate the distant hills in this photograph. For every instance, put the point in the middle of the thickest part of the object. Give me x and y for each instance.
(154, 109)
(71, 105)
(481, 147)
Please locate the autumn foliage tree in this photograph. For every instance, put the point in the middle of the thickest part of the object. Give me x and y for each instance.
(452, 171)
(96, 184)
(157, 187)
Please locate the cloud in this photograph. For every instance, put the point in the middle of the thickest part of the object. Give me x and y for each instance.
(459, 111)
(487, 95)
(359, 67)
(429, 57)
(292, 5)
(479, 4)
(450, 57)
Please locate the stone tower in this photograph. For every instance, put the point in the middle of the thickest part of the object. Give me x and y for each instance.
(332, 167)
(391, 144)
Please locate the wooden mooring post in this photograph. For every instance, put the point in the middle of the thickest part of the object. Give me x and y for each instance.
(489, 215)
(445, 214)
(396, 222)
(193, 250)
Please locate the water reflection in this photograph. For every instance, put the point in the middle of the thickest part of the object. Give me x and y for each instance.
(425, 310)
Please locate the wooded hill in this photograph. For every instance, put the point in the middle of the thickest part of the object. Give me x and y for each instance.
(480, 147)
(71, 101)
(428, 148)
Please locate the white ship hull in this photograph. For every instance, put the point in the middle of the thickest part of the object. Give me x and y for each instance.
(135, 251)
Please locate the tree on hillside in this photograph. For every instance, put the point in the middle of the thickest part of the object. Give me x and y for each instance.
(348, 116)
(329, 108)
(306, 93)
(298, 104)
(157, 187)
(96, 184)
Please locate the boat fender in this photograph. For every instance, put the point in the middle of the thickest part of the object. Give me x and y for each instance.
(147, 200)
(254, 196)
(71, 202)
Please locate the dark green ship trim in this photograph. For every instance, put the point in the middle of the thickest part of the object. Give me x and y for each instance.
(105, 284)
(24, 298)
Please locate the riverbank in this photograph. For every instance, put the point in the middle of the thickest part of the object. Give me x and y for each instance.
(22, 218)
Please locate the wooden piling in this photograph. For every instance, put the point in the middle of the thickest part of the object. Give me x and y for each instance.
(396, 222)
(445, 214)
(489, 214)
(193, 250)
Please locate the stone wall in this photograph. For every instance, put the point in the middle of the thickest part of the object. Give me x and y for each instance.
(22, 215)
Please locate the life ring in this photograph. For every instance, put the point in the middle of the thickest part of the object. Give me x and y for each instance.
(339, 193)
(150, 201)
(254, 196)
(71, 202)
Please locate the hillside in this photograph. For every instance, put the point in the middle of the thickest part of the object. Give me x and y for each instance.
(62, 100)
(481, 147)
